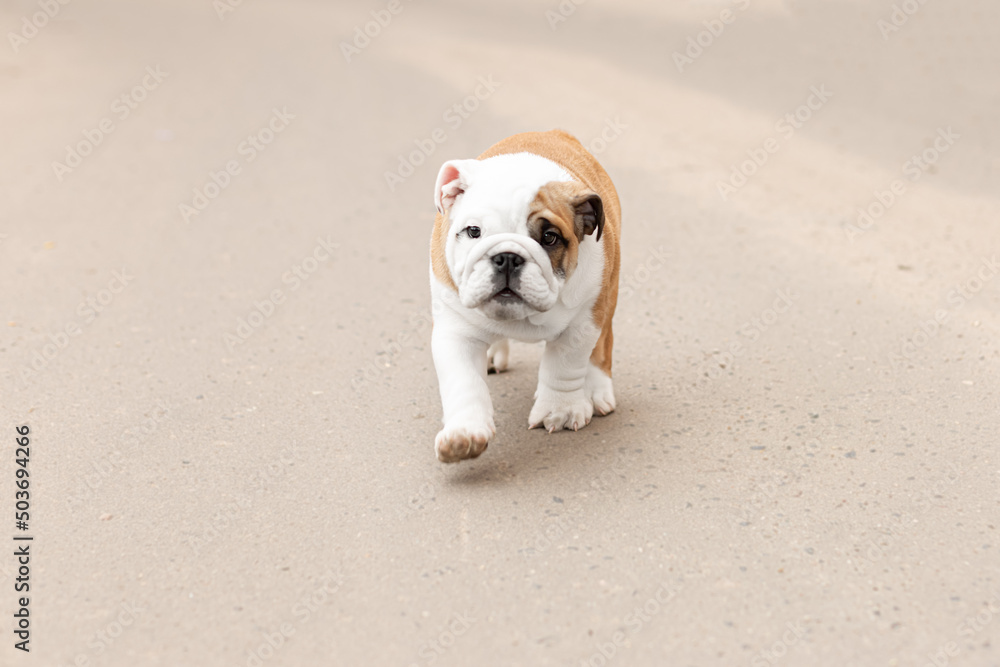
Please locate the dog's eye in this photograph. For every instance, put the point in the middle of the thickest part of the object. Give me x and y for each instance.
(550, 238)
(473, 232)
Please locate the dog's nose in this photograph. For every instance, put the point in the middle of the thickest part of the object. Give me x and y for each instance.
(507, 262)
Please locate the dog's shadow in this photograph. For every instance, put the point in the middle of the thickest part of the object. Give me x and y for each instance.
(518, 454)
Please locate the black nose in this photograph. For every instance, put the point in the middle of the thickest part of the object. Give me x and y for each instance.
(507, 262)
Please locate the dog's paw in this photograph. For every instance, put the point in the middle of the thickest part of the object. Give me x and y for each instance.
(557, 410)
(601, 391)
(463, 439)
(497, 356)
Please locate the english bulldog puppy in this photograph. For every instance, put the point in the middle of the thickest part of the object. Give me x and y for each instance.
(525, 246)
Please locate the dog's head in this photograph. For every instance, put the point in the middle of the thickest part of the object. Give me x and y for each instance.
(514, 229)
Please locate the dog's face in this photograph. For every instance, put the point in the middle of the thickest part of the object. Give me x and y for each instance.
(513, 233)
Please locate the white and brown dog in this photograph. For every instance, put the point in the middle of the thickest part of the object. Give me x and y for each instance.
(525, 246)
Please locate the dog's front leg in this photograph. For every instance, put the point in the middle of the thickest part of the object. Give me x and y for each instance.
(561, 400)
(460, 362)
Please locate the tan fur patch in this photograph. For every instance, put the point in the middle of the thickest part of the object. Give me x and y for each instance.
(439, 263)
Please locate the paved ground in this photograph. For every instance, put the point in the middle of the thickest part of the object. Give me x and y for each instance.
(215, 324)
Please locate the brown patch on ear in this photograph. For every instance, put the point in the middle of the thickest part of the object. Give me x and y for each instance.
(439, 263)
(552, 205)
(574, 210)
(588, 214)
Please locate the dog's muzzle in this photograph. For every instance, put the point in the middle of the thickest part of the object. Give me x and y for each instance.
(508, 252)
(508, 268)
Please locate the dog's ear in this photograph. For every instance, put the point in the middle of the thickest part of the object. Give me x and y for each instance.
(453, 179)
(588, 214)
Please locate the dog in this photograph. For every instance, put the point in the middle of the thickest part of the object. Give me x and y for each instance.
(525, 246)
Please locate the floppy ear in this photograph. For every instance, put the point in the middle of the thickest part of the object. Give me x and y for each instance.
(452, 180)
(588, 214)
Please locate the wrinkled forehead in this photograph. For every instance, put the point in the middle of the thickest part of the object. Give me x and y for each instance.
(496, 203)
(503, 188)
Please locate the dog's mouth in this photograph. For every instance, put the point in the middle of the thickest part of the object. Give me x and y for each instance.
(506, 294)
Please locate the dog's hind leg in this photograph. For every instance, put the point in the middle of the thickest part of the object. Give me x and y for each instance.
(497, 356)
